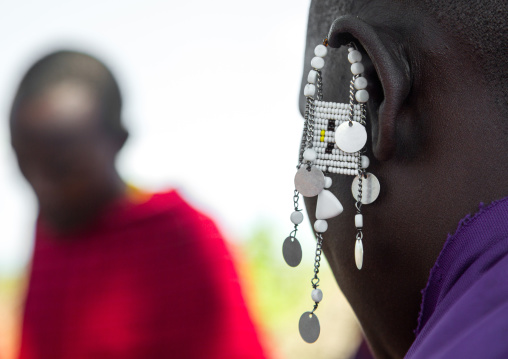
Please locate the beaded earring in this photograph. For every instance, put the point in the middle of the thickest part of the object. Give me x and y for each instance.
(333, 138)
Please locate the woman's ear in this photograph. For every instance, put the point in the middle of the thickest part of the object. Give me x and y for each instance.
(120, 137)
(387, 71)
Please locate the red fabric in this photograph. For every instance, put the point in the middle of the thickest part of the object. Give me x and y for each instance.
(146, 280)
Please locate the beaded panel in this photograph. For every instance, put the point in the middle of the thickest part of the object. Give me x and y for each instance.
(327, 117)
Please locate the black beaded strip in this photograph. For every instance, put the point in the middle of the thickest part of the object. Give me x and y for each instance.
(331, 125)
(329, 147)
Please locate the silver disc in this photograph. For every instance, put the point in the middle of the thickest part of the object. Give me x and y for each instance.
(292, 251)
(370, 188)
(309, 327)
(351, 138)
(309, 183)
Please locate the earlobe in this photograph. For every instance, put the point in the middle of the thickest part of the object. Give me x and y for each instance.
(391, 70)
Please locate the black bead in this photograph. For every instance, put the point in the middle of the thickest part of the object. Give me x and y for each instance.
(331, 125)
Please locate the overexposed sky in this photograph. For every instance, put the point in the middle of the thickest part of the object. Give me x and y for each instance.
(210, 99)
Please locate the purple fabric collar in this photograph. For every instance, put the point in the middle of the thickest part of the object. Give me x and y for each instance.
(480, 241)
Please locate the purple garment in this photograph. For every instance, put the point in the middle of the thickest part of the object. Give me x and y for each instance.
(464, 310)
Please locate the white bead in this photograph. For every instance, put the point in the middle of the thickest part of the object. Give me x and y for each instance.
(365, 162)
(360, 83)
(354, 56)
(362, 96)
(312, 77)
(359, 254)
(350, 49)
(309, 155)
(358, 220)
(328, 182)
(320, 50)
(328, 206)
(309, 90)
(356, 68)
(296, 217)
(317, 295)
(317, 63)
(320, 226)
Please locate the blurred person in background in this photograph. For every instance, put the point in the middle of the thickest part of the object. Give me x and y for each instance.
(116, 272)
(437, 115)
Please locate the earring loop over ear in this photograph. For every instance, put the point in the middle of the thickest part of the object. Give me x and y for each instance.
(333, 139)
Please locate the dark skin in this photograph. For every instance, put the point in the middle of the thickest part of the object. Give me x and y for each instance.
(66, 155)
(437, 144)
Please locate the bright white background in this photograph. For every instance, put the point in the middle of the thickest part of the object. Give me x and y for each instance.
(210, 91)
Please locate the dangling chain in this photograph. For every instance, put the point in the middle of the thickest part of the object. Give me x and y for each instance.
(310, 120)
(296, 198)
(361, 171)
(352, 99)
(319, 85)
(319, 244)
(303, 143)
(361, 175)
(310, 109)
(358, 204)
(317, 263)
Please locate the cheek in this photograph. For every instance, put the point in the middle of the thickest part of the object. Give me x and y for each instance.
(87, 176)
(77, 183)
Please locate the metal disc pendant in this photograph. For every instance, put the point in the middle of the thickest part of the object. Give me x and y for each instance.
(351, 138)
(309, 327)
(309, 183)
(370, 188)
(292, 251)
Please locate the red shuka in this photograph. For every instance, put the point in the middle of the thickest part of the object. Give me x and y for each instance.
(145, 280)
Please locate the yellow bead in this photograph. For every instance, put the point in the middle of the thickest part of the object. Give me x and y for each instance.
(322, 138)
(322, 133)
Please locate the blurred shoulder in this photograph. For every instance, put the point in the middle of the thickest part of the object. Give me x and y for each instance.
(172, 205)
(169, 213)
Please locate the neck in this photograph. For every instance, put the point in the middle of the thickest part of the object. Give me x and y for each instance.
(69, 220)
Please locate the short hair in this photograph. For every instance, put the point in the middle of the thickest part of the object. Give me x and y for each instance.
(70, 65)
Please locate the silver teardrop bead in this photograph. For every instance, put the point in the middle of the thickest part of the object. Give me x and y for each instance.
(359, 253)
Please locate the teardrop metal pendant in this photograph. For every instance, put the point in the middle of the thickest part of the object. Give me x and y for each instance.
(359, 254)
(309, 327)
(292, 251)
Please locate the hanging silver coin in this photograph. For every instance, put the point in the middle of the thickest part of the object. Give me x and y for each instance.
(370, 188)
(351, 136)
(309, 183)
(292, 251)
(309, 327)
